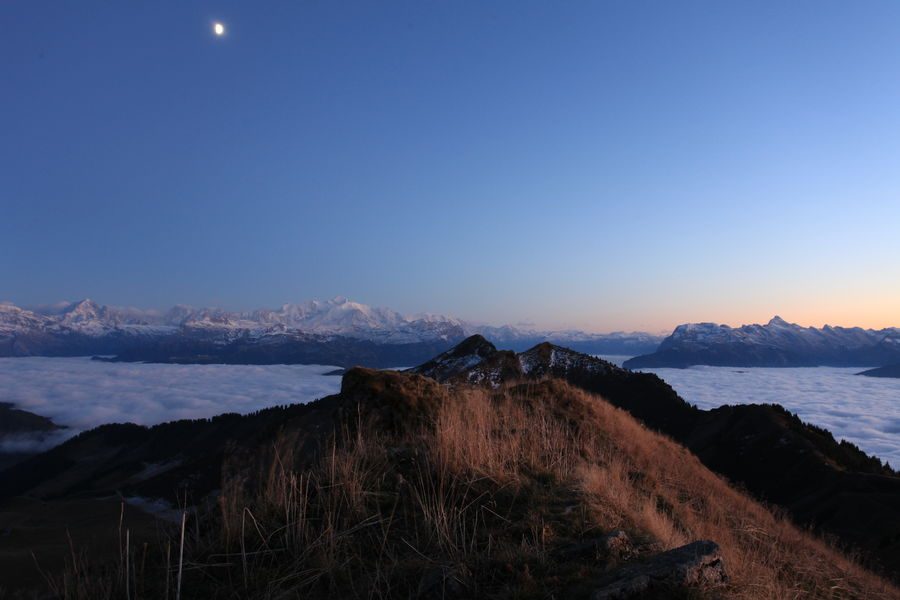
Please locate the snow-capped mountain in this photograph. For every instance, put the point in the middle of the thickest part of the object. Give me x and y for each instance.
(775, 344)
(86, 327)
(340, 316)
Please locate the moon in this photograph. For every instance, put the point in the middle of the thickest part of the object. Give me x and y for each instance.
(218, 29)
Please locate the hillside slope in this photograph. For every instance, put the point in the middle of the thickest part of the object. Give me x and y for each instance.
(23, 434)
(824, 483)
(401, 487)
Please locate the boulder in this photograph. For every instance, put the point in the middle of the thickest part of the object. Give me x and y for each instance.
(698, 564)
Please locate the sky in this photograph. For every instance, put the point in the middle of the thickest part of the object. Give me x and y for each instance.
(603, 165)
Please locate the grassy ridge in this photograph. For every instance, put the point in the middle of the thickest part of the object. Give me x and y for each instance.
(422, 491)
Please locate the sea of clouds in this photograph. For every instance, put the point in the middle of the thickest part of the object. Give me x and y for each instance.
(861, 410)
(80, 393)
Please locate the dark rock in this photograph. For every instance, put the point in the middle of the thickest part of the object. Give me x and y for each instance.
(698, 564)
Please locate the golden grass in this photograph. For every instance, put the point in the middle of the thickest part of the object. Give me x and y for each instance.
(482, 496)
(634, 478)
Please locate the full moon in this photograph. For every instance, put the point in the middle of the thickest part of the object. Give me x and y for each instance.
(218, 29)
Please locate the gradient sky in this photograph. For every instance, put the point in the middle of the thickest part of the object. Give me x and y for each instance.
(604, 165)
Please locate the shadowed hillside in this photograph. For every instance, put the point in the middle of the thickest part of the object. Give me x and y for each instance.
(23, 433)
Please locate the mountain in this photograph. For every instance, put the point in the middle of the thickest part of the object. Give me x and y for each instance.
(831, 485)
(888, 371)
(337, 331)
(524, 485)
(775, 344)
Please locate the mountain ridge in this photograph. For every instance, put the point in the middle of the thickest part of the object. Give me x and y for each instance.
(774, 344)
(217, 335)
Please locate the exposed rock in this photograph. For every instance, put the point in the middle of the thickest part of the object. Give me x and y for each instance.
(459, 359)
(698, 564)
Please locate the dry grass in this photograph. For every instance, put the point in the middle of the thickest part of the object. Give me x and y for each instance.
(636, 479)
(477, 501)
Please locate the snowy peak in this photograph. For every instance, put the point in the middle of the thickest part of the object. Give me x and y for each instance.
(14, 319)
(337, 317)
(777, 321)
(85, 311)
(777, 332)
(341, 316)
(775, 344)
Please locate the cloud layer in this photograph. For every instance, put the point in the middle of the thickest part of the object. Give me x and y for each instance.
(81, 393)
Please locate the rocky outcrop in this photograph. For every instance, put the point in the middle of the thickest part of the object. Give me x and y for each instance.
(696, 565)
(458, 360)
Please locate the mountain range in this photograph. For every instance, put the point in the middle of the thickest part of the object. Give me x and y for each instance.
(346, 333)
(775, 344)
(337, 331)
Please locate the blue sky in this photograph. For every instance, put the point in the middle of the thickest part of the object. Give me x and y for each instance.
(604, 165)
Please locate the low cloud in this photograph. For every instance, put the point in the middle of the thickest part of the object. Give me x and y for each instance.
(30, 443)
(81, 394)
